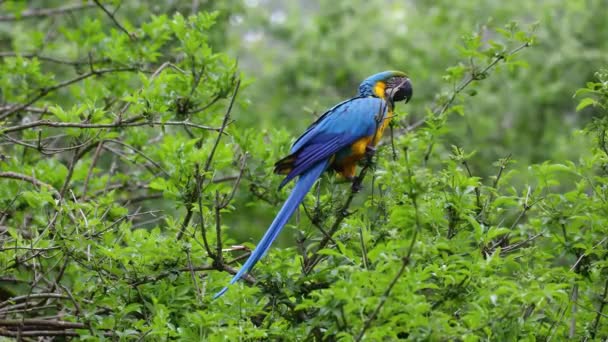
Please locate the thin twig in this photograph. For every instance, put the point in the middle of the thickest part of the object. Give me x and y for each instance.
(225, 123)
(51, 59)
(113, 17)
(141, 154)
(41, 322)
(45, 12)
(91, 168)
(15, 175)
(197, 290)
(580, 258)
(477, 191)
(36, 110)
(227, 199)
(600, 309)
(44, 333)
(218, 227)
(32, 296)
(573, 298)
(199, 184)
(46, 150)
(119, 124)
(68, 177)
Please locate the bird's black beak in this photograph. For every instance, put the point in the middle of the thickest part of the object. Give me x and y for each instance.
(404, 91)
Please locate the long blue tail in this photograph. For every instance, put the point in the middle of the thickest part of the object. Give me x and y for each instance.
(303, 185)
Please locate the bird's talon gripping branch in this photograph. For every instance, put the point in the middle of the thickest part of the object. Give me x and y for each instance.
(370, 151)
(357, 186)
(339, 139)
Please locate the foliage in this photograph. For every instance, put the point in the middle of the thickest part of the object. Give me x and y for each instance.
(135, 152)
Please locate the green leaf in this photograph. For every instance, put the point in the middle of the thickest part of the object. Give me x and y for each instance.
(584, 103)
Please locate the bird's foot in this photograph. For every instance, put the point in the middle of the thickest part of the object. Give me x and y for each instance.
(370, 151)
(357, 186)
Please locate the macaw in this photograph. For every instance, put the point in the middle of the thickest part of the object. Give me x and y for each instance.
(337, 140)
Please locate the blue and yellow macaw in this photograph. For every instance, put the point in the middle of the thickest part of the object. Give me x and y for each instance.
(337, 140)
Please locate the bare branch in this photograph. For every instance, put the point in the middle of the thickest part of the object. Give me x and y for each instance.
(157, 165)
(111, 15)
(32, 296)
(19, 176)
(600, 309)
(41, 323)
(45, 12)
(91, 168)
(52, 59)
(48, 123)
(27, 109)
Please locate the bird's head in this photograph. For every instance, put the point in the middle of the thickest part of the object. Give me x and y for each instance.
(388, 85)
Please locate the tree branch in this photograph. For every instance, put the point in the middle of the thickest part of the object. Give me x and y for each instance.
(41, 323)
(45, 12)
(52, 59)
(111, 15)
(120, 124)
(603, 301)
(34, 181)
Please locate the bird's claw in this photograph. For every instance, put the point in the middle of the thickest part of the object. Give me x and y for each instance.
(370, 151)
(357, 186)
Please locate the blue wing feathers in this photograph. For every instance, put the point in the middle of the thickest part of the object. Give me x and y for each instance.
(335, 130)
(312, 154)
(354, 115)
(296, 197)
(303, 139)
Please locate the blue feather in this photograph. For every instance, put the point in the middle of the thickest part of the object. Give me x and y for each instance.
(311, 155)
(304, 183)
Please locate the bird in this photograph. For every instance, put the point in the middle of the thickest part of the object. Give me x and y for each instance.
(337, 140)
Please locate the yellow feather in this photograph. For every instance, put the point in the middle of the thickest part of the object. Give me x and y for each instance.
(379, 89)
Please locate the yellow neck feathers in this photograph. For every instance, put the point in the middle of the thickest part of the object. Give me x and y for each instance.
(379, 89)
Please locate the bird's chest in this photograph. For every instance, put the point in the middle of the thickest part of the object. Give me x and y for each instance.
(382, 126)
(356, 151)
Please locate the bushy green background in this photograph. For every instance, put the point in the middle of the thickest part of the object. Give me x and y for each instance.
(136, 147)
